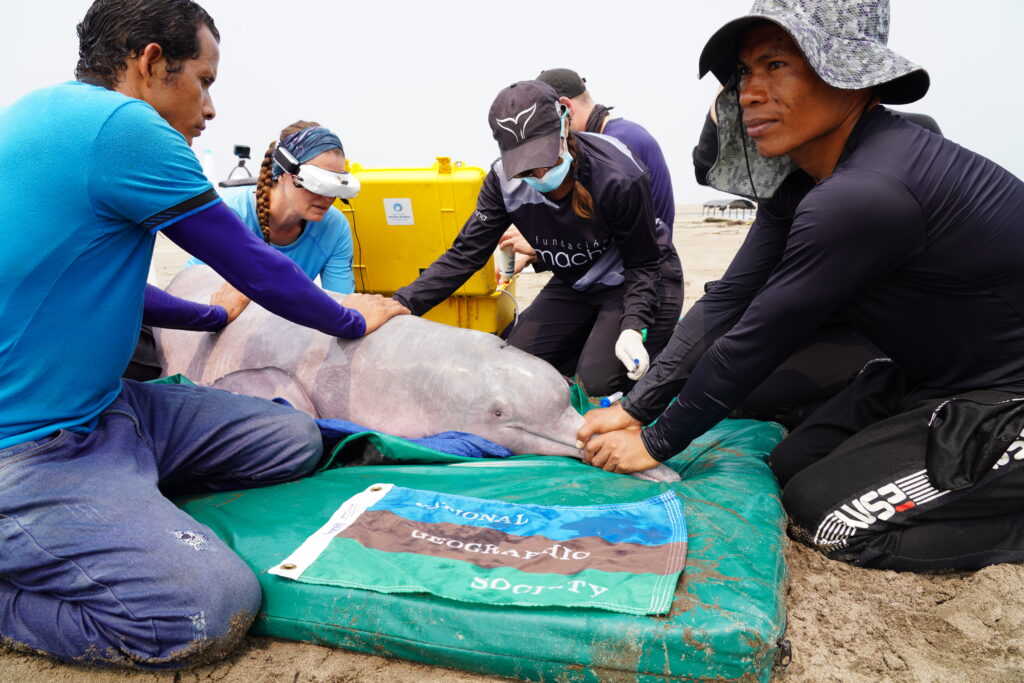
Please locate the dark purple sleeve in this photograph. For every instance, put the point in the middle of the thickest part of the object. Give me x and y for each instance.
(645, 148)
(219, 238)
(161, 309)
(838, 245)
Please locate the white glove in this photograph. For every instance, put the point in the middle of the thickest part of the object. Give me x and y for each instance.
(630, 350)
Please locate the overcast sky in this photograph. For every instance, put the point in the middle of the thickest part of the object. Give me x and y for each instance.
(402, 82)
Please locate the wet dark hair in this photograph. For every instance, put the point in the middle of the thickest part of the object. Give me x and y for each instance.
(114, 31)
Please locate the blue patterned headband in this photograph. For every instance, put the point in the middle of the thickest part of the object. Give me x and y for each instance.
(308, 143)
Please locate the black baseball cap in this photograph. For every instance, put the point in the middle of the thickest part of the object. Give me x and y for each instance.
(566, 82)
(526, 121)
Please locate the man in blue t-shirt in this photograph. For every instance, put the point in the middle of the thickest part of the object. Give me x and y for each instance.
(100, 164)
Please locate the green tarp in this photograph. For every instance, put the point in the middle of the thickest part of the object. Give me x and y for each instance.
(625, 557)
(727, 614)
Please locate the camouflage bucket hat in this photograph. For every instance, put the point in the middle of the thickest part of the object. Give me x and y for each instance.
(844, 42)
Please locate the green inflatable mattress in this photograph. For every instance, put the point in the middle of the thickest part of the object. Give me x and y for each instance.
(727, 617)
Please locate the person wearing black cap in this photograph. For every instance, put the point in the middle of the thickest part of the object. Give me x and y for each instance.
(584, 204)
(592, 117)
(917, 465)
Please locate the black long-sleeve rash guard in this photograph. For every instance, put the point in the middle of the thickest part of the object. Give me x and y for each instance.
(914, 239)
(567, 244)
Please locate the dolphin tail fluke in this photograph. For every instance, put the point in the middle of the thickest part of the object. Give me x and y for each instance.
(661, 473)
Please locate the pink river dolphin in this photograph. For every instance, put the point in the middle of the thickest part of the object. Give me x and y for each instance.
(410, 378)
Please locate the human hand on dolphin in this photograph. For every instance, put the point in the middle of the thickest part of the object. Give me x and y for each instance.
(602, 421)
(621, 451)
(375, 309)
(230, 299)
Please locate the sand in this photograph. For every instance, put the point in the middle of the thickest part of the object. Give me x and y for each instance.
(845, 624)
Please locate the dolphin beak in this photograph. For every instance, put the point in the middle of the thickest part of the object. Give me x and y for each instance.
(569, 423)
(563, 433)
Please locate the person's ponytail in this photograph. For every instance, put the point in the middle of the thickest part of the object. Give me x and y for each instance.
(264, 182)
(582, 202)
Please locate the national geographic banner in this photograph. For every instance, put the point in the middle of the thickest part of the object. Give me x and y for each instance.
(624, 557)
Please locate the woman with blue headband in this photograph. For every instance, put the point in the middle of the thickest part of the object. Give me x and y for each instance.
(288, 210)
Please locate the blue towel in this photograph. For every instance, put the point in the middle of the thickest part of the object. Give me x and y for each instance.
(454, 443)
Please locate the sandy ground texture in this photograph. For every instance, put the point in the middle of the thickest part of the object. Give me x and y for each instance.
(845, 624)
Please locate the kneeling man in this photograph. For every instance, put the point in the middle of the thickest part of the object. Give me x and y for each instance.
(906, 235)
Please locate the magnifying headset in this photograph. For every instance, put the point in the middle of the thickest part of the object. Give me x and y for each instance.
(315, 179)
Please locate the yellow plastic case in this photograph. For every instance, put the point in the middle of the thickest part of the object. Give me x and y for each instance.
(404, 218)
(490, 313)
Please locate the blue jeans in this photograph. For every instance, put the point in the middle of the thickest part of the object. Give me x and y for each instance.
(97, 566)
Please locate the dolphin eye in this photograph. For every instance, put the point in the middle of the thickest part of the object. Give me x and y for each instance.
(499, 408)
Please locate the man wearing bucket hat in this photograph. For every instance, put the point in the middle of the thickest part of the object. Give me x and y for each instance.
(584, 204)
(827, 361)
(917, 465)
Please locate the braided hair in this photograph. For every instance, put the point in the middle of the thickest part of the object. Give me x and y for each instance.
(265, 181)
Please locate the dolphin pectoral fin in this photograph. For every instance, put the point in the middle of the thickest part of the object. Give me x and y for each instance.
(268, 383)
(660, 473)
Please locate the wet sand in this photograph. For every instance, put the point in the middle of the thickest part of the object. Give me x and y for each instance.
(845, 624)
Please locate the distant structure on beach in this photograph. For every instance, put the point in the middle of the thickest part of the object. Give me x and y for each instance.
(732, 206)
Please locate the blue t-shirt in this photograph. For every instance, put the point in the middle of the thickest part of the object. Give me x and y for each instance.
(91, 175)
(645, 148)
(324, 248)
